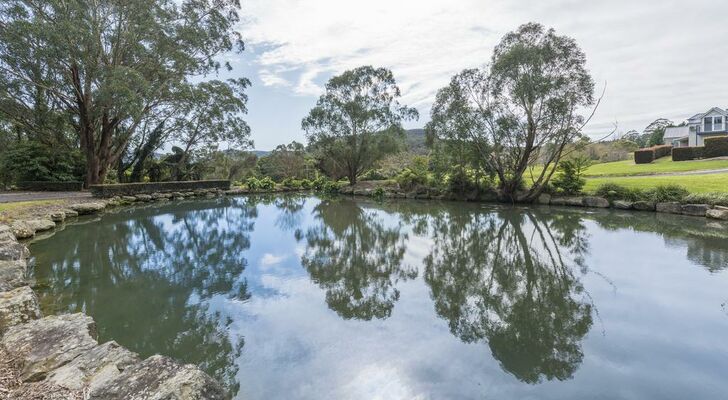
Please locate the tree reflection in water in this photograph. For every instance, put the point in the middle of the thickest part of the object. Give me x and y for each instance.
(511, 278)
(357, 259)
(157, 268)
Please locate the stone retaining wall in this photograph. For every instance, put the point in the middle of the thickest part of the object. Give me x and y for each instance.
(131, 189)
(59, 356)
(699, 210)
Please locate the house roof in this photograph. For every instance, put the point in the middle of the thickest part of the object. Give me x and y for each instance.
(676, 132)
(701, 115)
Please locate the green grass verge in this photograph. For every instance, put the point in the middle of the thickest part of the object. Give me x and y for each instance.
(659, 166)
(18, 206)
(712, 183)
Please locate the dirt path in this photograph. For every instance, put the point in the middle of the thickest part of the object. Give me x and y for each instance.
(13, 197)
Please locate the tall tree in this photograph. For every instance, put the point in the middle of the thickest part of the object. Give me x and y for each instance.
(357, 120)
(655, 131)
(108, 63)
(521, 110)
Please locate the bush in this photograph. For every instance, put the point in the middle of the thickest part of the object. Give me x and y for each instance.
(666, 193)
(648, 155)
(41, 186)
(379, 193)
(267, 183)
(716, 147)
(613, 191)
(32, 161)
(569, 180)
(305, 184)
(687, 153)
(324, 185)
(460, 180)
(291, 183)
(714, 199)
(374, 175)
(252, 183)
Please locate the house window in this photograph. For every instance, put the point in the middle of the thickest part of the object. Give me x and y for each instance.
(708, 124)
(718, 123)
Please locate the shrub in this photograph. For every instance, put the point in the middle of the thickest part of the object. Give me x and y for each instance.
(716, 147)
(715, 199)
(648, 155)
(569, 180)
(41, 186)
(324, 185)
(666, 193)
(305, 184)
(267, 183)
(291, 183)
(687, 153)
(252, 183)
(374, 175)
(378, 193)
(613, 191)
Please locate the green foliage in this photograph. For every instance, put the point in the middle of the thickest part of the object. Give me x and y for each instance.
(267, 183)
(715, 199)
(378, 193)
(113, 67)
(324, 185)
(569, 179)
(252, 183)
(613, 191)
(523, 109)
(416, 174)
(666, 193)
(306, 184)
(32, 161)
(356, 122)
(374, 175)
(290, 183)
(286, 161)
(716, 147)
(460, 180)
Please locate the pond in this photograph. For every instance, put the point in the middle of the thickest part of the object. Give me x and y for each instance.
(301, 297)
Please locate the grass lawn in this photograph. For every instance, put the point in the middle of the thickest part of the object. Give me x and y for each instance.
(659, 166)
(8, 210)
(712, 183)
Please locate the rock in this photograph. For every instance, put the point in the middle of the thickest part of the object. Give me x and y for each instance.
(12, 274)
(643, 206)
(670, 208)
(210, 195)
(143, 197)
(41, 225)
(717, 213)
(233, 192)
(45, 344)
(698, 210)
(596, 202)
(12, 250)
(129, 199)
(94, 368)
(567, 201)
(622, 205)
(88, 208)
(57, 216)
(17, 306)
(156, 196)
(159, 377)
(544, 198)
(70, 213)
(22, 230)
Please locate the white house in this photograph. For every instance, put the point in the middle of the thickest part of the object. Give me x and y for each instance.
(698, 127)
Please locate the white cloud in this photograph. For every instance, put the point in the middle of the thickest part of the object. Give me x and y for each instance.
(661, 58)
(269, 259)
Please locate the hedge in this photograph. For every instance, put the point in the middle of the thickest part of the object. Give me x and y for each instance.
(650, 154)
(156, 187)
(687, 153)
(716, 147)
(50, 186)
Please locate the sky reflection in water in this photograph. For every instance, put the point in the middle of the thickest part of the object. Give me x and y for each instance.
(305, 298)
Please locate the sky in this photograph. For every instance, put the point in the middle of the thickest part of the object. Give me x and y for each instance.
(652, 58)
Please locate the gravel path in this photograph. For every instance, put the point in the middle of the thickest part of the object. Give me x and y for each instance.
(12, 197)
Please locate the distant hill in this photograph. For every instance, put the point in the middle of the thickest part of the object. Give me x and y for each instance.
(260, 153)
(415, 140)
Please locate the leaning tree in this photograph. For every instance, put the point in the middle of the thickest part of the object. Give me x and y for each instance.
(357, 120)
(108, 64)
(520, 111)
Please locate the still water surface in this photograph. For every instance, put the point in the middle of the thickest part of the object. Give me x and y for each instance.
(297, 297)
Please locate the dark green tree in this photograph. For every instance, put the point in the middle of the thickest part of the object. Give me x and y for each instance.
(107, 64)
(521, 110)
(357, 121)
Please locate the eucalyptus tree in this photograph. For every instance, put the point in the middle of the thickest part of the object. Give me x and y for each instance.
(357, 120)
(108, 63)
(521, 110)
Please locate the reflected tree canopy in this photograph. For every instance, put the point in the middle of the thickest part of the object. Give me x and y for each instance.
(157, 268)
(356, 259)
(512, 279)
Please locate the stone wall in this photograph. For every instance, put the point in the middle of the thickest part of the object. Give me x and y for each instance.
(130, 189)
(59, 356)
